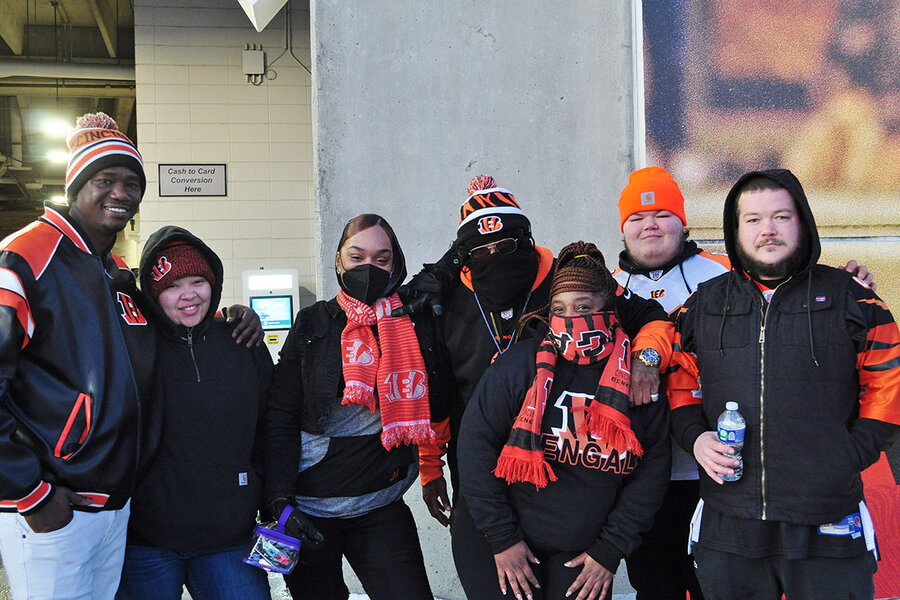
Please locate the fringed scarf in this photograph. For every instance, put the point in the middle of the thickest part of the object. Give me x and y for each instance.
(392, 362)
(583, 340)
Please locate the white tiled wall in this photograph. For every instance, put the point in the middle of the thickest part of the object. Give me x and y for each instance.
(194, 105)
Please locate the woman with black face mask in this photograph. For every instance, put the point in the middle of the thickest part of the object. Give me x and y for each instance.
(355, 391)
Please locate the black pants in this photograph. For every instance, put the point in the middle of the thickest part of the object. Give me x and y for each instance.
(726, 576)
(661, 568)
(478, 573)
(383, 549)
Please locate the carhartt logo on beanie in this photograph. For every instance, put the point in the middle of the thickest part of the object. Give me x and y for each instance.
(96, 144)
(650, 189)
(489, 209)
(177, 261)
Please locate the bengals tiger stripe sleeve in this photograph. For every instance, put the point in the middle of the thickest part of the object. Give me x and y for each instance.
(878, 363)
(683, 381)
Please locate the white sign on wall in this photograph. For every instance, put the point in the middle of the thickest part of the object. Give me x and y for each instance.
(192, 180)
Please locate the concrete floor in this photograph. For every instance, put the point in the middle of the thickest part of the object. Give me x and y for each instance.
(438, 563)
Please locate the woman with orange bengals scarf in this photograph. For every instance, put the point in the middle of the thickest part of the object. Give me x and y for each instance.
(560, 476)
(351, 398)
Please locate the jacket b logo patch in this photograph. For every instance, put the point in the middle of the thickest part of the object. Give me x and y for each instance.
(130, 311)
(161, 268)
(488, 225)
(648, 198)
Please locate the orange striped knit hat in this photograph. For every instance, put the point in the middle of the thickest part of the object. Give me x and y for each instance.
(96, 144)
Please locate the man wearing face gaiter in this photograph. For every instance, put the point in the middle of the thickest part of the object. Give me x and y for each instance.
(504, 275)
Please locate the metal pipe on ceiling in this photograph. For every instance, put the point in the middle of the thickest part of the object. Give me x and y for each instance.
(17, 67)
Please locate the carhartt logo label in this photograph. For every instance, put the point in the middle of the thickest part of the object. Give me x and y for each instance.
(242, 479)
(648, 198)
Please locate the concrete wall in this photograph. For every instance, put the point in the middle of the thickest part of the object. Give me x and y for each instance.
(194, 105)
(413, 99)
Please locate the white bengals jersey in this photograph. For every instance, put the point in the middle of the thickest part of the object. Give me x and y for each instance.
(671, 288)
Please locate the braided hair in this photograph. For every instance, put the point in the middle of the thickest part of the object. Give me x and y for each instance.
(580, 267)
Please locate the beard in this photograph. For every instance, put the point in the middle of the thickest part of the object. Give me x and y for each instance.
(790, 264)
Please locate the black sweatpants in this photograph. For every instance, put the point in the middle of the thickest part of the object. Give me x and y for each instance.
(661, 568)
(478, 573)
(383, 549)
(726, 576)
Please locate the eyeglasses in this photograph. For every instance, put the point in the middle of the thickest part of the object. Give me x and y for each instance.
(504, 246)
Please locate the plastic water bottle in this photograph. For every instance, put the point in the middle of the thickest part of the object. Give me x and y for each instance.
(730, 429)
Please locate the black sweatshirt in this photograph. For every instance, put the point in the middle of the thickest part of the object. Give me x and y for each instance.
(592, 506)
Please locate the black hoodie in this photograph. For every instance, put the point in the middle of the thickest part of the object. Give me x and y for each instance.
(813, 370)
(205, 488)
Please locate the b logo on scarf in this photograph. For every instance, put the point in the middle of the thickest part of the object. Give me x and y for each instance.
(358, 353)
(405, 385)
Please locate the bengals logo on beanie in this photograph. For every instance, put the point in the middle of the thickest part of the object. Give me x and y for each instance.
(162, 268)
(176, 261)
(648, 189)
(489, 209)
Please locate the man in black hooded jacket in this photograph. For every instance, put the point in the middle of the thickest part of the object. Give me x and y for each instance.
(812, 356)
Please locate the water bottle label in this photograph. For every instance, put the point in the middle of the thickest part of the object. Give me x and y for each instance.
(731, 436)
(850, 525)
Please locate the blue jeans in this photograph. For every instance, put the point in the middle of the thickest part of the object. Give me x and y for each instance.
(157, 574)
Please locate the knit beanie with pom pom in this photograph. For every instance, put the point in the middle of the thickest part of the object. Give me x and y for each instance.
(96, 144)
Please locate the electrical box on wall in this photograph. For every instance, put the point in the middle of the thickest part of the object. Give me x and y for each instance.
(254, 60)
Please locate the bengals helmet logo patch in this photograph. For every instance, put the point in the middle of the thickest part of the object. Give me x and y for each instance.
(488, 225)
(162, 268)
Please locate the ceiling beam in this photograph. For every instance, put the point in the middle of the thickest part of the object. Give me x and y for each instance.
(69, 91)
(105, 16)
(12, 26)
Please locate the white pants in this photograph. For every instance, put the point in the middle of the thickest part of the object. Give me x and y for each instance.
(81, 561)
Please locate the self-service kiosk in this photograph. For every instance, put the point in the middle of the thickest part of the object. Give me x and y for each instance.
(275, 296)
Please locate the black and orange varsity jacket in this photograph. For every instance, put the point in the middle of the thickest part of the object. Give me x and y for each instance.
(76, 366)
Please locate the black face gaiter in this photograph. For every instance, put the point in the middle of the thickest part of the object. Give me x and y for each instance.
(366, 283)
(503, 280)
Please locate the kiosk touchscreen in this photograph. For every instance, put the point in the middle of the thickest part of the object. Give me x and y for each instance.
(275, 296)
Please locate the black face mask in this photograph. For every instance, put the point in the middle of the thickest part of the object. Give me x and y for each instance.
(503, 280)
(366, 283)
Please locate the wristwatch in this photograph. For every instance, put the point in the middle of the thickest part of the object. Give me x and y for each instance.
(648, 356)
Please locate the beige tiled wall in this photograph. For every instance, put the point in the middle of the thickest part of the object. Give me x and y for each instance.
(194, 105)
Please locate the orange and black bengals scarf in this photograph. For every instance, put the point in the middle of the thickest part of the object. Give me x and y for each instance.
(392, 363)
(583, 340)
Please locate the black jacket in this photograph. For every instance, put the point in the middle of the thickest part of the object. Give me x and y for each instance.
(595, 505)
(470, 346)
(205, 487)
(76, 368)
(309, 384)
(792, 364)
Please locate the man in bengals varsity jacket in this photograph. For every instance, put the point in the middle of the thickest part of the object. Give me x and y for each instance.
(76, 362)
(812, 357)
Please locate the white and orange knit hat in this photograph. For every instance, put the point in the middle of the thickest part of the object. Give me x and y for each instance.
(489, 209)
(95, 144)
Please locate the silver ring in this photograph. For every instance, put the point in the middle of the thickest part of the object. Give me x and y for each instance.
(654, 397)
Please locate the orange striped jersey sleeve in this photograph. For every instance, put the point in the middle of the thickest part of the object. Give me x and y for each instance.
(878, 360)
(683, 381)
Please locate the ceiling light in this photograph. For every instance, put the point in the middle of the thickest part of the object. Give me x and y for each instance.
(58, 156)
(56, 128)
(59, 199)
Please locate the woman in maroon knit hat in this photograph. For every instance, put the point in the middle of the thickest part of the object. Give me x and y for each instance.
(560, 475)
